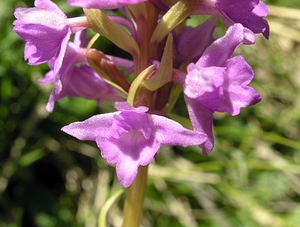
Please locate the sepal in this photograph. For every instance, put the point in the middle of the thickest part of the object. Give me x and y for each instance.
(137, 83)
(176, 15)
(101, 24)
(164, 72)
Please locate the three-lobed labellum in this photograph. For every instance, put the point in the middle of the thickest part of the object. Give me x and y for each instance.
(130, 137)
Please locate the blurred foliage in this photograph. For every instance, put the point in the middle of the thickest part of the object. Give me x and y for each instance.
(49, 179)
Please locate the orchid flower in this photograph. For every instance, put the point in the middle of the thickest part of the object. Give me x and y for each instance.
(218, 82)
(131, 137)
(46, 30)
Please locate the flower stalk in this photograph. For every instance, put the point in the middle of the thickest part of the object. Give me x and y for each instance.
(134, 202)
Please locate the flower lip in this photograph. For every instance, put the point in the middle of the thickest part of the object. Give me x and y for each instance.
(131, 121)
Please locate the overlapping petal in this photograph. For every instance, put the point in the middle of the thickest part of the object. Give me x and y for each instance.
(222, 49)
(202, 121)
(193, 41)
(250, 13)
(45, 30)
(76, 79)
(218, 82)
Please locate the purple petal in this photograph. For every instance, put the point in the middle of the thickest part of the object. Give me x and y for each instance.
(170, 132)
(124, 106)
(237, 9)
(202, 82)
(193, 41)
(75, 79)
(49, 78)
(38, 16)
(84, 82)
(102, 4)
(80, 39)
(242, 97)
(261, 10)
(128, 153)
(43, 30)
(222, 89)
(239, 71)
(47, 4)
(51, 102)
(202, 121)
(39, 49)
(222, 49)
(249, 37)
(63, 48)
(239, 74)
(132, 120)
(30, 53)
(249, 13)
(91, 128)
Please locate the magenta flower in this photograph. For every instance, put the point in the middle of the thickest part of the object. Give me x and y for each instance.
(130, 137)
(76, 79)
(218, 82)
(249, 13)
(46, 30)
(102, 4)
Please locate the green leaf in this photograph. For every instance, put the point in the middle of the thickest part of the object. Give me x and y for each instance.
(164, 72)
(137, 83)
(176, 15)
(106, 207)
(101, 24)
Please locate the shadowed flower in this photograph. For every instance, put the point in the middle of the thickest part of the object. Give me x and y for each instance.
(193, 41)
(130, 137)
(76, 79)
(218, 82)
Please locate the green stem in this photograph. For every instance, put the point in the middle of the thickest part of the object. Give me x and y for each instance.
(146, 23)
(134, 202)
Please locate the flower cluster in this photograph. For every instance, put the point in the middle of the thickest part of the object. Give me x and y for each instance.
(165, 52)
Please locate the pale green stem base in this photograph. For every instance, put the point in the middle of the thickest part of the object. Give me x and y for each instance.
(134, 202)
